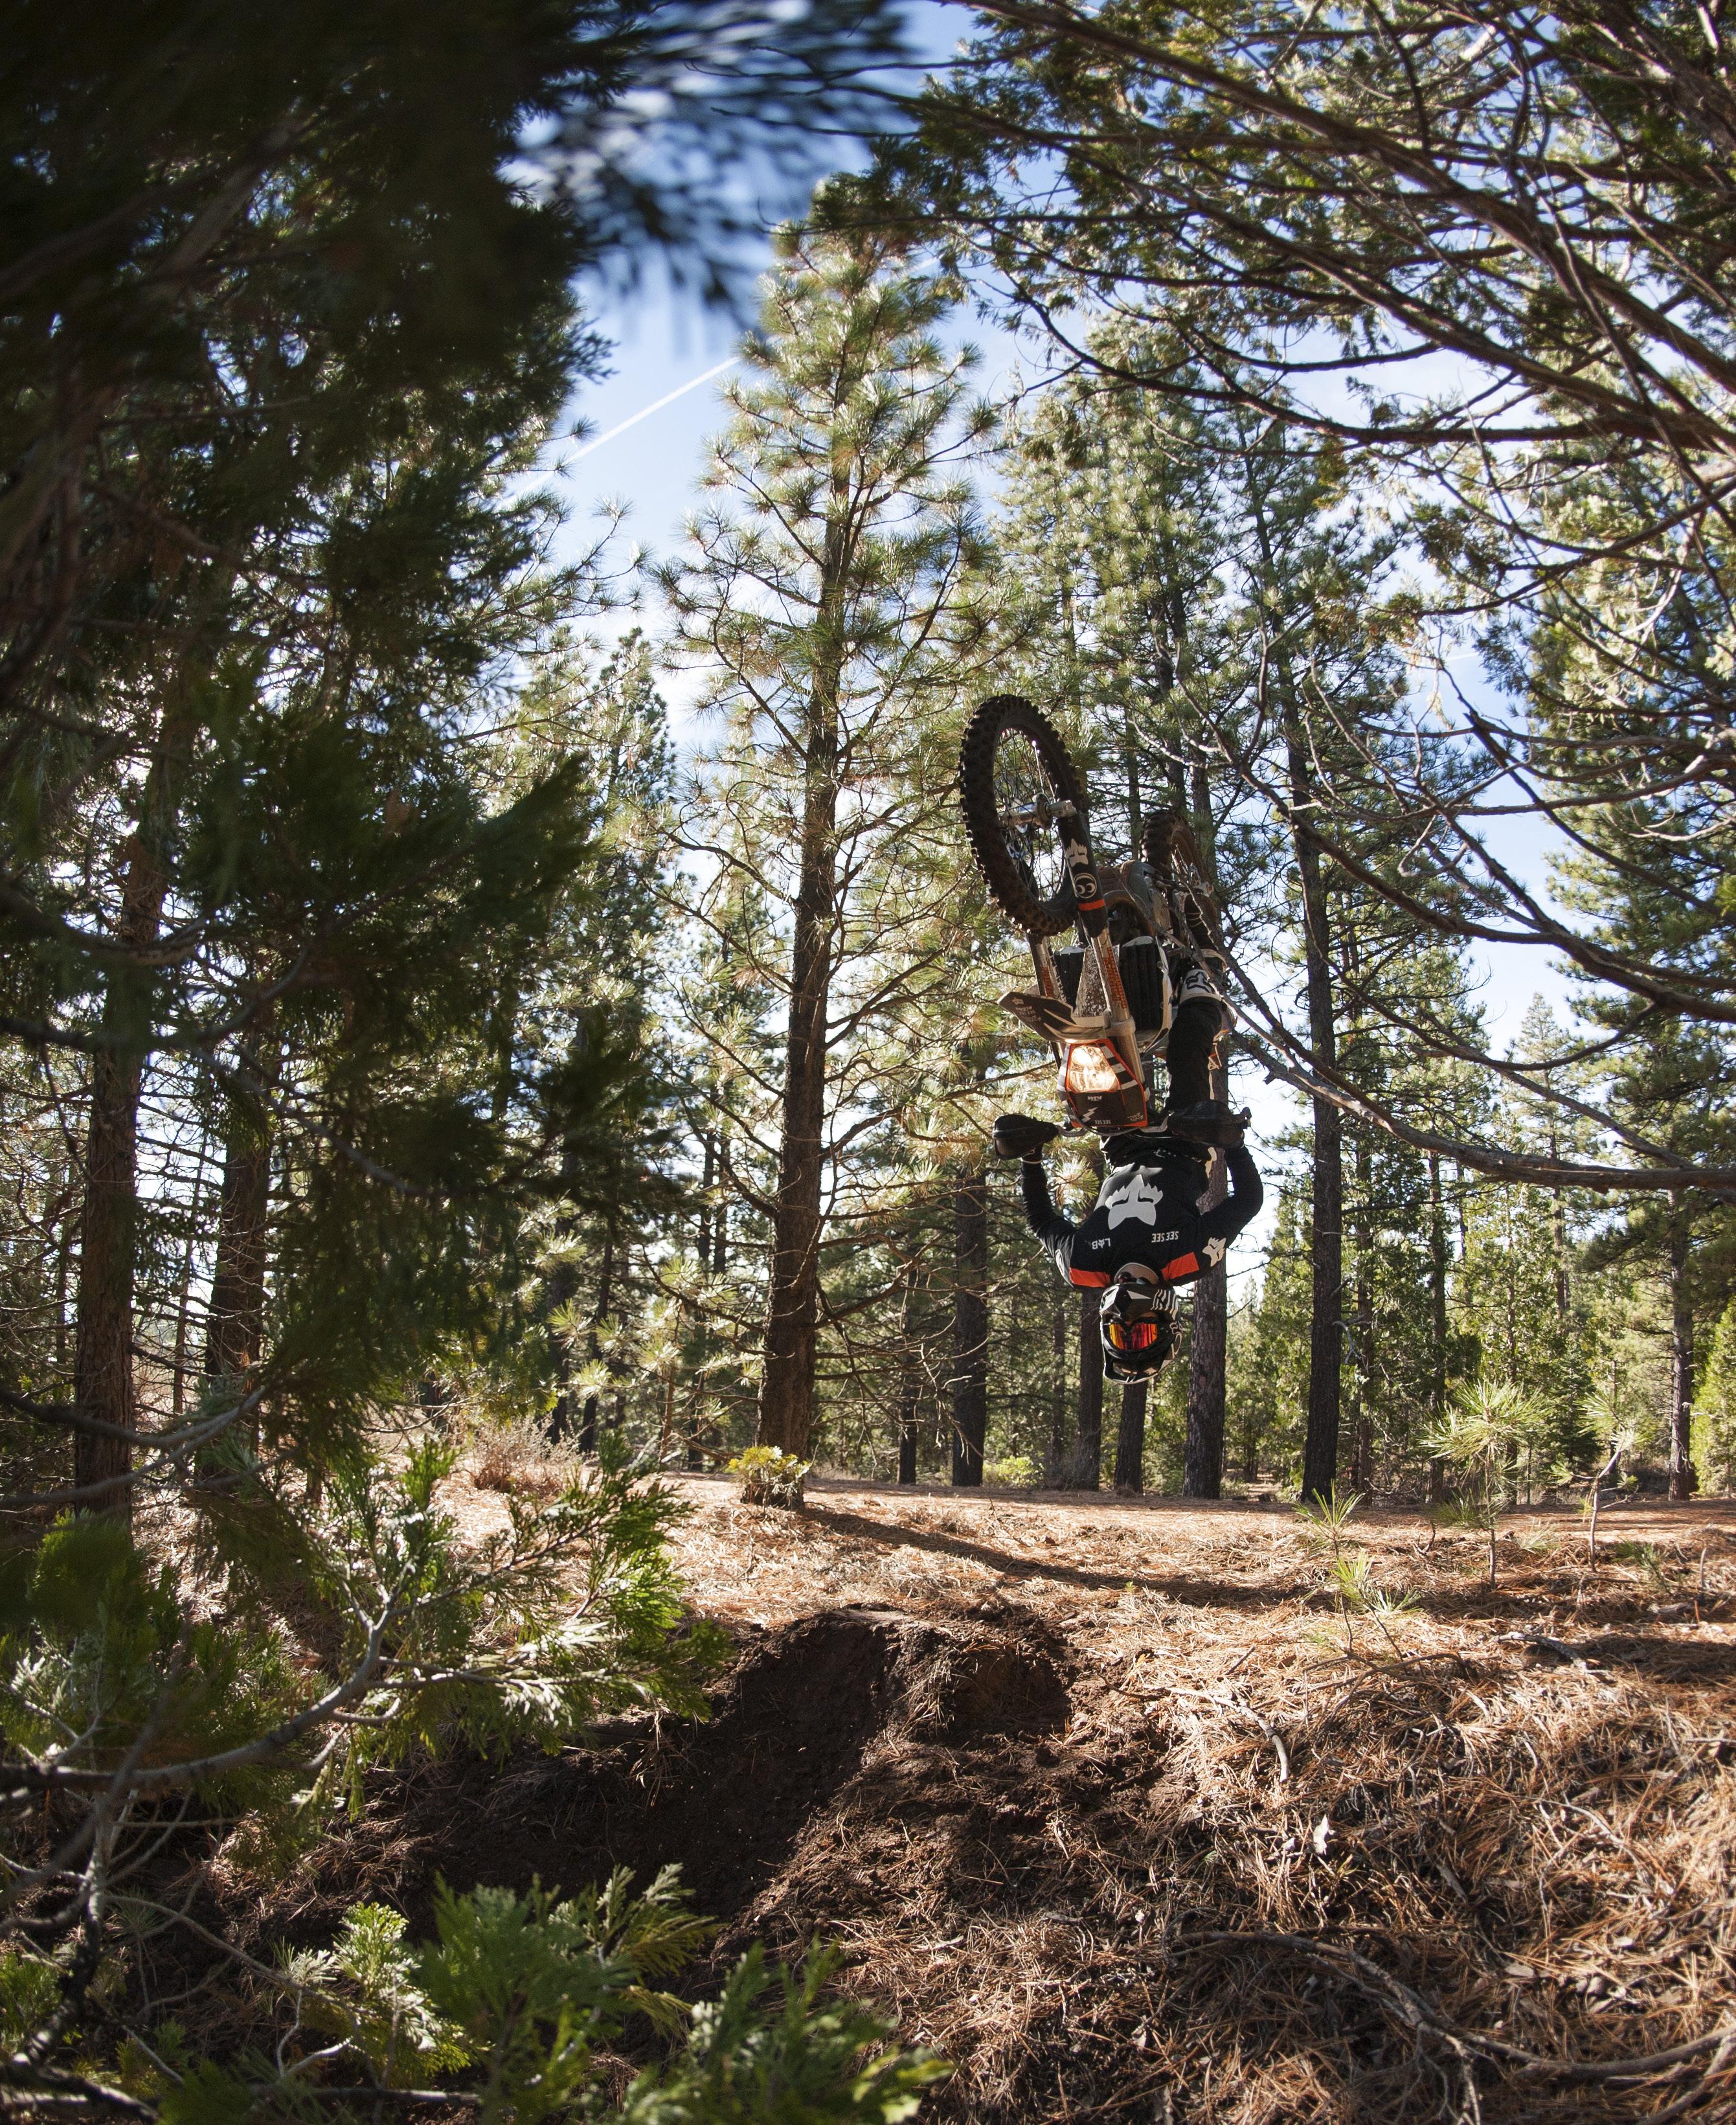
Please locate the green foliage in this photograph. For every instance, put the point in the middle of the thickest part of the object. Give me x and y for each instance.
(1017, 1471)
(522, 1979)
(812, 2061)
(769, 1477)
(516, 1994)
(1492, 1428)
(209, 2095)
(365, 1990)
(30, 1990)
(1324, 1520)
(1357, 1596)
(1646, 1561)
(103, 1656)
(573, 1611)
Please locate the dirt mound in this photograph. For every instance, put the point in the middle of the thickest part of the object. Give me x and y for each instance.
(1112, 1809)
(808, 1707)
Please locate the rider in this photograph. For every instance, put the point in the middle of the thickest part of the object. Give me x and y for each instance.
(1147, 1234)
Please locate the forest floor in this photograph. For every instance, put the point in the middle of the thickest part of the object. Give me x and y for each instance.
(1119, 1806)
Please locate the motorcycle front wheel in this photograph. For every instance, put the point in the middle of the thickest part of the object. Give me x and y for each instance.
(1014, 775)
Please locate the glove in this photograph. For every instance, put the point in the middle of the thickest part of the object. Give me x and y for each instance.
(1213, 1122)
(1016, 1136)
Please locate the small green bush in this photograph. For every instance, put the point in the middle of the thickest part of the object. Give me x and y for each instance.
(770, 1477)
(516, 1996)
(1491, 1429)
(1018, 1472)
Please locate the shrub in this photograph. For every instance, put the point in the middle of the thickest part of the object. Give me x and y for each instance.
(1357, 1595)
(770, 1477)
(1018, 1472)
(1491, 1429)
(516, 1997)
(519, 1458)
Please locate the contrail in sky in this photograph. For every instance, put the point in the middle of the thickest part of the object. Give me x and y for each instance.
(644, 412)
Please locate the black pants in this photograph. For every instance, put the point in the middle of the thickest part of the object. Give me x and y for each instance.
(1196, 1026)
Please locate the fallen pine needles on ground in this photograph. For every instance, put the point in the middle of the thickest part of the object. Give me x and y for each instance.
(1127, 1812)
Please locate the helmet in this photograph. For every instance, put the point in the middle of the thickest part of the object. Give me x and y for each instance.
(1137, 1323)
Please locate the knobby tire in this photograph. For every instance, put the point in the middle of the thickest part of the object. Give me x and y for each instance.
(1010, 883)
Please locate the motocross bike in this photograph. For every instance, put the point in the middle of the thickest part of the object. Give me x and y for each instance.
(1105, 1005)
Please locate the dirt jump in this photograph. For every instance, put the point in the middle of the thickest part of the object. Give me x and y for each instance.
(1132, 1811)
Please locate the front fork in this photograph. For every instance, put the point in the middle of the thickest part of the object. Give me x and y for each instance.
(1094, 921)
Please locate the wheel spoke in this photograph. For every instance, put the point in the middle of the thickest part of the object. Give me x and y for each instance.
(1028, 806)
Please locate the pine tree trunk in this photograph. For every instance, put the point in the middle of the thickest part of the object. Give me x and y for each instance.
(907, 1397)
(102, 1363)
(1436, 1323)
(562, 1289)
(1326, 1327)
(104, 1386)
(708, 1180)
(563, 1283)
(910, 1378)
(1089, 1454)
(970, 1328)
(184, 1294)
(1130, 747)
(793, 1297)
(1564, 1260)
(1203, 1458)
(1684, 1481)
(1208, 1348)
(720, 1215)
(605, 1280)
(1055, 1475)
(63, 1280)
(1362, 1470)
(1326, 1249)
(1130, 1439)
(235, 1327)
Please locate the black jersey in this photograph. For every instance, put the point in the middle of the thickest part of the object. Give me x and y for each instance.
(1145, 1213)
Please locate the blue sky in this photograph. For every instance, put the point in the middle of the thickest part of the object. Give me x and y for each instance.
(663, 340)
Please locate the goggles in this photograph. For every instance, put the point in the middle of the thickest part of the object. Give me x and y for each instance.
(1131, 1335)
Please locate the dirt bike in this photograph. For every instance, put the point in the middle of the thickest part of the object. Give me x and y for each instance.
(1106, 1004)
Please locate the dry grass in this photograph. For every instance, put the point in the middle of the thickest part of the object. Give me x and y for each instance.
(518, 1458)
(1272, 1870)
(1131, 1821)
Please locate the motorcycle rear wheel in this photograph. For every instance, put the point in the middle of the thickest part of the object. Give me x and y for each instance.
(1175, 856)
(1014, 774)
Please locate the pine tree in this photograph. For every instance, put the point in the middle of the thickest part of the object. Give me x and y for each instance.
(1316, 642)
(821, 593)
(1111, 508)
(1669, 1081)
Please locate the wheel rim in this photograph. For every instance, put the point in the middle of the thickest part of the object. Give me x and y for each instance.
(1027, 810)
